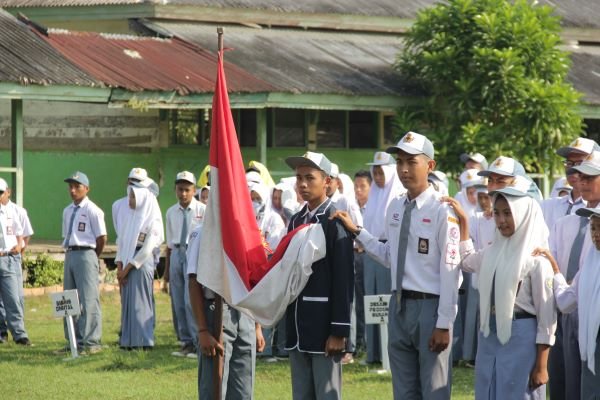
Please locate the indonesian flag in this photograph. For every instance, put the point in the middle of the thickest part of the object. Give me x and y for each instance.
(232, 260)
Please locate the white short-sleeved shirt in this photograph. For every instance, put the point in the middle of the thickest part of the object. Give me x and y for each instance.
(562, 238)
(21, 214)
(557, 207)
(87, 225)
(432, 253)
(482, 230)
(11, 228)
(175, 221)
(192, 257)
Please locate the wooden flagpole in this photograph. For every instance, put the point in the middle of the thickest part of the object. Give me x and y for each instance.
(218, 320)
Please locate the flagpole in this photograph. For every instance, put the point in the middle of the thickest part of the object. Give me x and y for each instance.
(218, 318)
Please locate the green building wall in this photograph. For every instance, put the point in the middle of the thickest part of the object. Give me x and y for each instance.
(46, 195)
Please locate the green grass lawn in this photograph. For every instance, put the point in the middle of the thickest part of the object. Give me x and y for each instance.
(35, 373)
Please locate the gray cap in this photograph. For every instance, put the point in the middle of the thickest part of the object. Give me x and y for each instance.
(579, 145)
(413, 143)
(78, 177)
(382, 158)
(310, 159)
(588, 212)
(477, 157)
(504, 166)
(518, 187)
(590, 166)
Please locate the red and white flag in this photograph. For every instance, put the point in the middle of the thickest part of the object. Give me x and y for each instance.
(232, 260)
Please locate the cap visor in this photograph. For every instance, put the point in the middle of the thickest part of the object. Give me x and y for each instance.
(508, 191)
(185, 180)
(488, 172)
(464, 158)
(565, 151)
(404, 148)
(584, 169)
(588, 212)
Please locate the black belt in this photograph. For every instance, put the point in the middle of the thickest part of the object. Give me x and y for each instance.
(79, 248)
(383, 240)
(414, 295)
(462, 291)
(5, 253)
(516, 314)
(180, 245)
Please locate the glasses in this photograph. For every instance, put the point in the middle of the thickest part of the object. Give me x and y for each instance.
(571, 164)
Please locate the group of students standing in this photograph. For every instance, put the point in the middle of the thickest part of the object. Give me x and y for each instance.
(520, 272)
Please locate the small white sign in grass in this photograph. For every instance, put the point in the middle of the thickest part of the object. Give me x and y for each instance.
(66, 305)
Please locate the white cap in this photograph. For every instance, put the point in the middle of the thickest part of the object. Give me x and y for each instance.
(504, 166)
(310, 159)
(138, 173)
(3, 185)
(579, 145)
(477, 157)
(413, 143)
(590, 166)
(470, 178)
(253, 177)
(335, 170)
(186, 176)
(518, 187)
(382, 158)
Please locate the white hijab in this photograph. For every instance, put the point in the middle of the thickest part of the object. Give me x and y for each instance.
(588, 301)
(379, 199)
(145, 217)
(559, 185)
(506, 258)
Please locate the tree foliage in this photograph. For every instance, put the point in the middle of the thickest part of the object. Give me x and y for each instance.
(494, 80)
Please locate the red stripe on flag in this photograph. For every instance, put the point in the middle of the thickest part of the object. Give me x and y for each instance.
(257, 274)
(240, 235)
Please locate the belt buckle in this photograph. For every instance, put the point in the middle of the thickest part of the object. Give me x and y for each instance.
(493, 310)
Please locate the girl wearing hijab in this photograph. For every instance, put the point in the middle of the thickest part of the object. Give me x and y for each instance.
(518, 317)
(140, 232)
(386, 186)
(468, 199)
(583, 296)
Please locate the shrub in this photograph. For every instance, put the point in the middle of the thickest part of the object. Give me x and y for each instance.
(43, 271)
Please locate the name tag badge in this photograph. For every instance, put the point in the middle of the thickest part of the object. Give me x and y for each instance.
(81, 227)
(9, 230)
(142, 237)
(423, 246)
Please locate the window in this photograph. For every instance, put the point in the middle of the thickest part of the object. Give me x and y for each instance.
(331, 129)
(362, 129)
(288, 128)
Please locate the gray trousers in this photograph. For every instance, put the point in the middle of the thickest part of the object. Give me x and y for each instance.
(571, 354)
(470, 323)
(3, 326)
(10, 293)
(556, 366)
(417, 372)
(377, 281)
(315, 376)
(502, 371)
(239, 343)
(590, 383)
(178, 290)
(82, 273)
(359, 298)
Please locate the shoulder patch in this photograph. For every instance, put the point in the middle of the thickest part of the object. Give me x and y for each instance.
(453, 220)
(550, 283)
(452, 254)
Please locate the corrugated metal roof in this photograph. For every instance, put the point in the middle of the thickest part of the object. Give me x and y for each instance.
(65, 3)
(141, 63)
(585, 74)
(306, 61)
(27, 59)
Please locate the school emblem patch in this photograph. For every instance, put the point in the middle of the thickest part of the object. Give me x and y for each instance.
(453, 233)
(550, 283)
(423, 246)
(408, 138)
(452, 255)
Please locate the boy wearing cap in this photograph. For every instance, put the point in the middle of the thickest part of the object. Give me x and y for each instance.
(318, 321)
(570, 242)
(182, 218)
(573, 154)
(11, 280)
(422, 251)
(84, 234)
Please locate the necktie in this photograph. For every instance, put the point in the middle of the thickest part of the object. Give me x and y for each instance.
(184, 227)
(68, 238)
(575, 254)
(571, 204)
(402, 247)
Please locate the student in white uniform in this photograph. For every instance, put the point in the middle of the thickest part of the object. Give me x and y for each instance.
(469, 179)
(561, 188)
(21, 215)
(140, 232)
(11, 289)
(569, 242)
(84, 238)
(242, 338)
(471, 161)
(377, 280)
(422, 251)
(181, 219)
(518, 317)
(582, 296)
(574, 154)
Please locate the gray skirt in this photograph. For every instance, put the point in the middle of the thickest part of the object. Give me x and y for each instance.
(137, 308)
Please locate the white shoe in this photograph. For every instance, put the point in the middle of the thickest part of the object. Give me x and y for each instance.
(178, 354)
(192, 356)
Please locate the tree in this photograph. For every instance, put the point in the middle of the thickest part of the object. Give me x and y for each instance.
(494, 80)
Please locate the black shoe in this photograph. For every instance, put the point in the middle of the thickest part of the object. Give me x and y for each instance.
(3, 337)
(23, 342)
